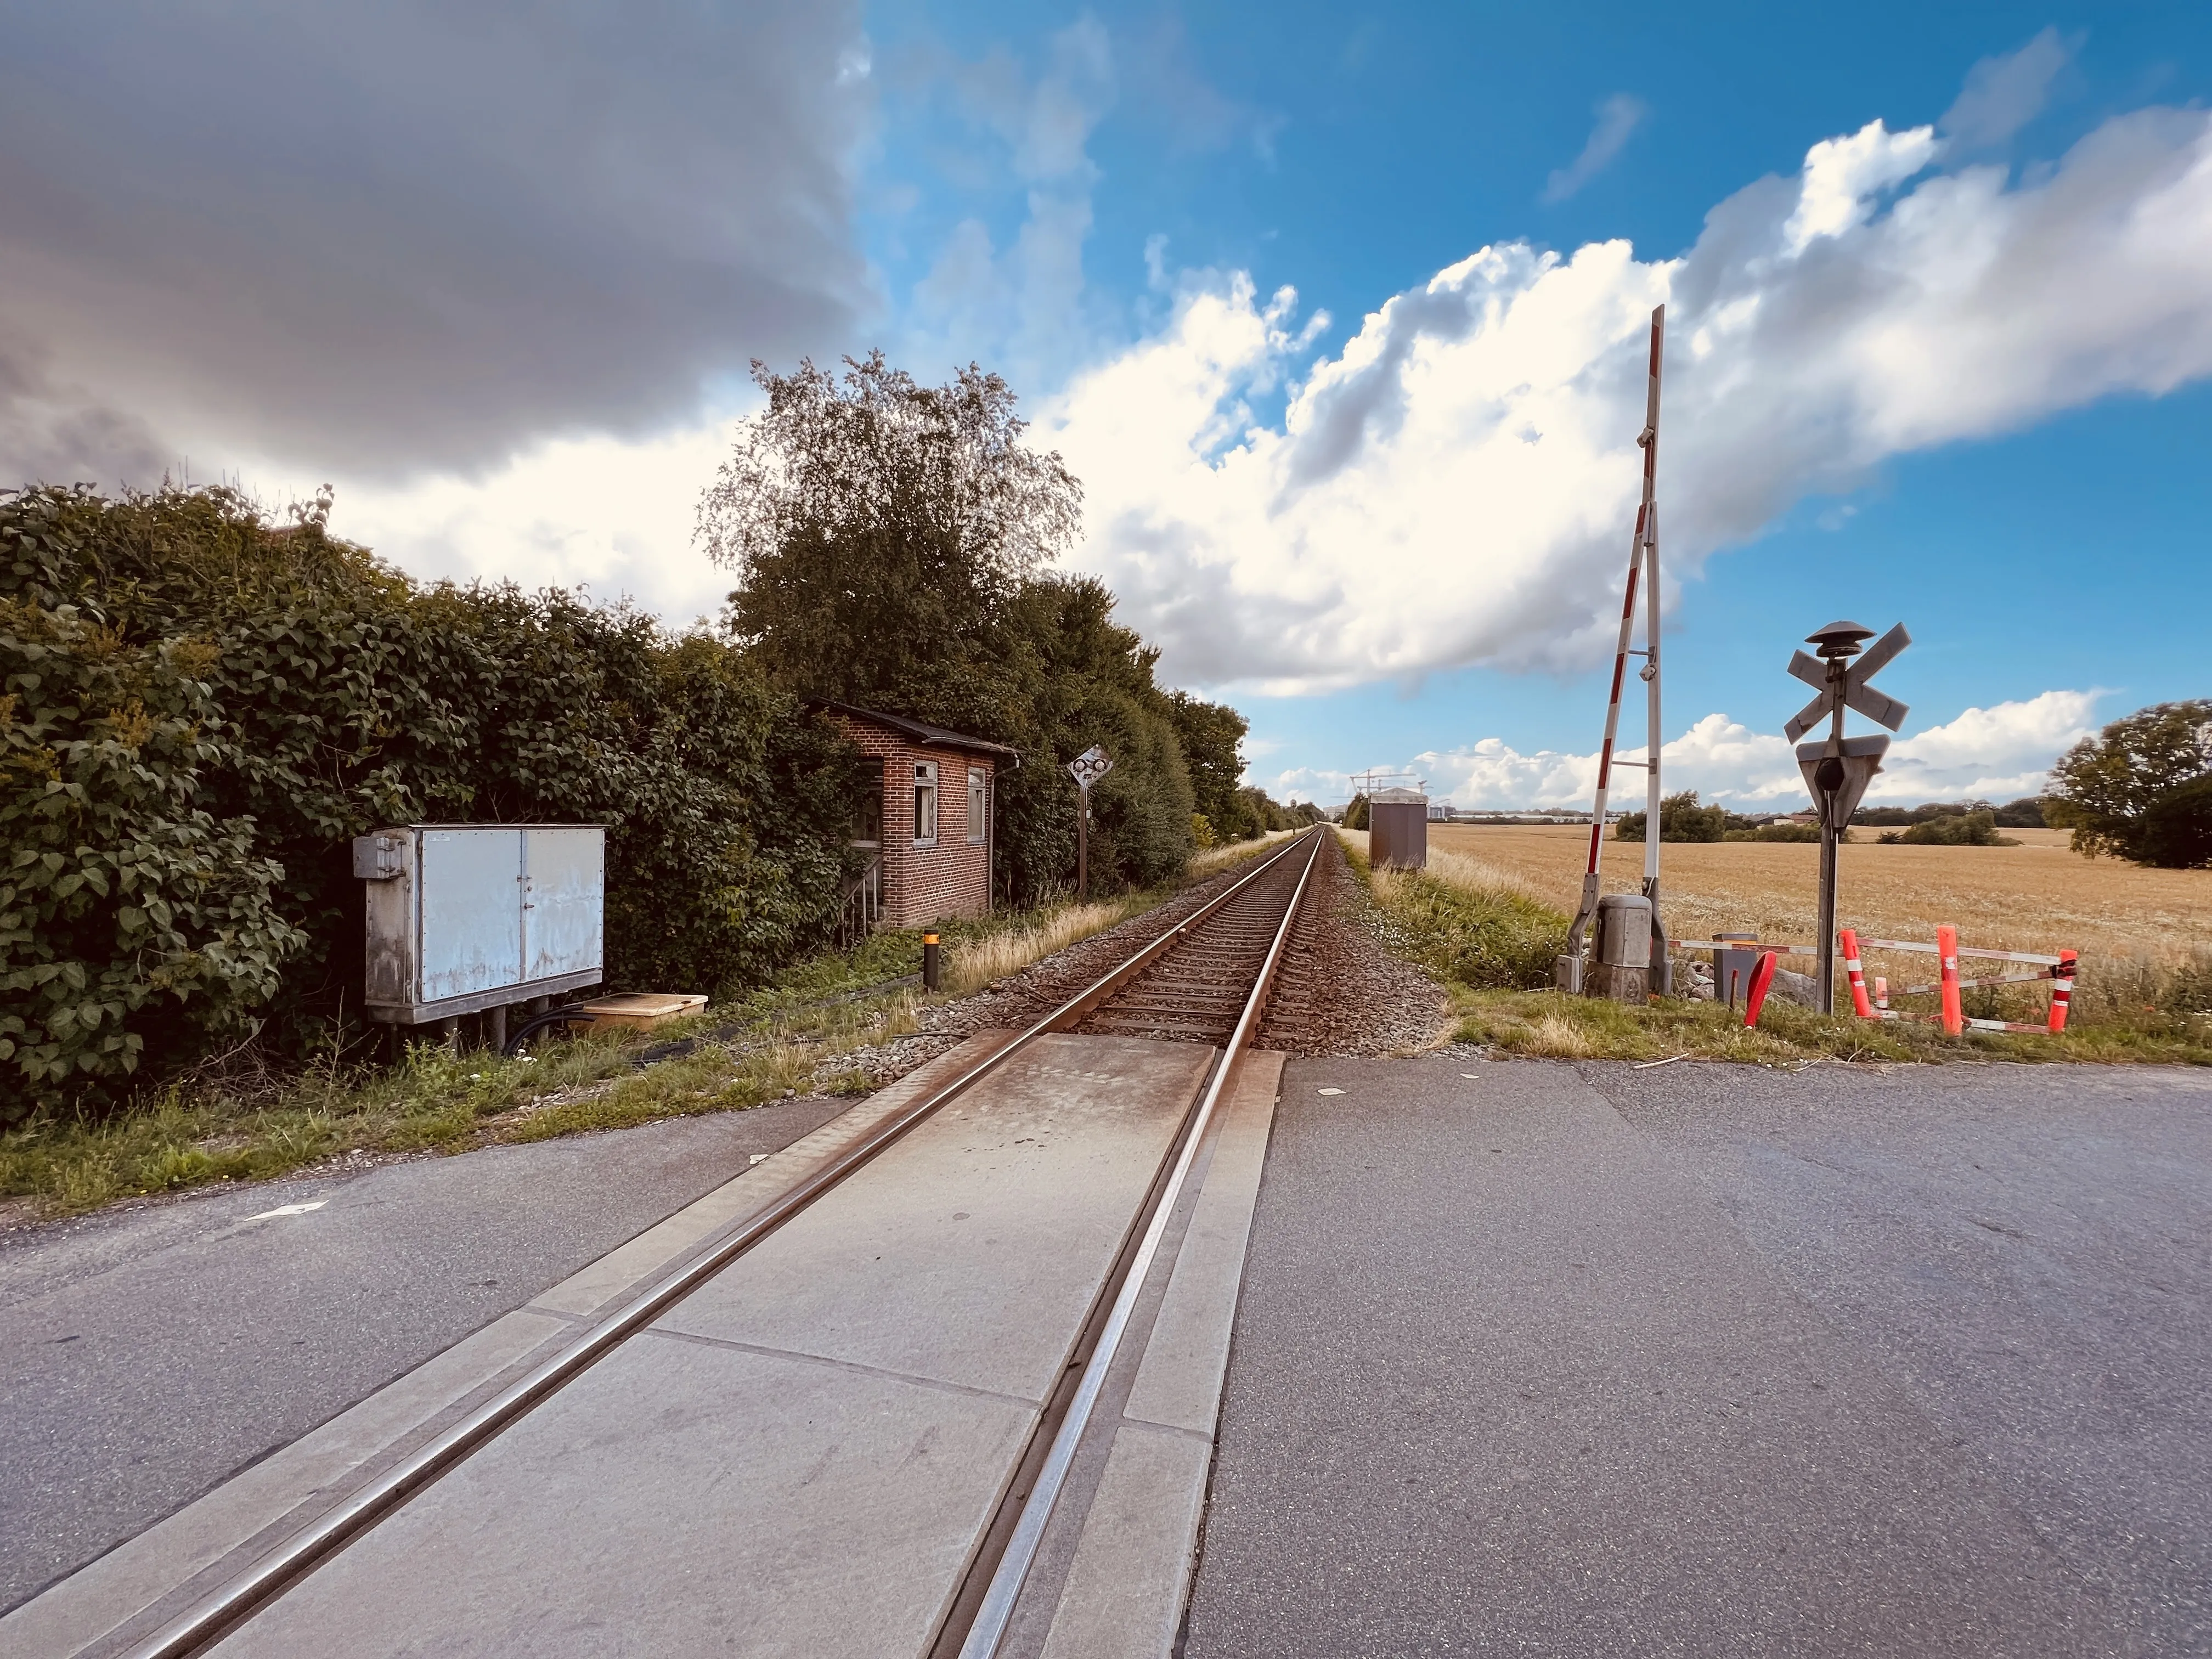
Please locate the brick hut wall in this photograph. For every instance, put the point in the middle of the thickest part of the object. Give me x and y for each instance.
(922, 884)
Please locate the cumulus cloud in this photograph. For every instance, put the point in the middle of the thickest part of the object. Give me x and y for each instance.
(1456, 485)
(410, 235)
(1998, 753)
(1617, 117)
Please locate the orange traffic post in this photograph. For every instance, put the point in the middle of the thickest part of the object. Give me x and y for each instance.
(929, 962)
(1880, 992)
(2062, 990)
(1850, 939)
(1762, 977)
(1946, 950)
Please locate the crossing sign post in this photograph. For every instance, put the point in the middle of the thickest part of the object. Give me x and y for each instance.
(1087, 767)
(1838, 770)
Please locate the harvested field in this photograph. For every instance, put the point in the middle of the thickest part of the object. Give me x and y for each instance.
(2036, 896)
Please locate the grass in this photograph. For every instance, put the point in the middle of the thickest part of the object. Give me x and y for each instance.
(802, 1033)
(1481, 923)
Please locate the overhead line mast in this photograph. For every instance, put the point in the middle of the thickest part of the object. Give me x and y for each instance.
(1643, 570)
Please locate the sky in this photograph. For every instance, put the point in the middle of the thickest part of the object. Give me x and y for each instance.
(1339, 314)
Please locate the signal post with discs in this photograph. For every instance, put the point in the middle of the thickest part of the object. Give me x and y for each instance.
(1838, 770)
(1087, 767)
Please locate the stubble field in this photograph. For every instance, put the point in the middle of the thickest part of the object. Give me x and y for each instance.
(2038, 897)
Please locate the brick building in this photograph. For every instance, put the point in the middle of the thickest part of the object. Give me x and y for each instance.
(931, 825)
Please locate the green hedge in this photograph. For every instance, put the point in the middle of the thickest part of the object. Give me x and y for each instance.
(202, 709)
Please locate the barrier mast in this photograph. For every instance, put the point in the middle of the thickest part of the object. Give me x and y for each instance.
(1643, 571)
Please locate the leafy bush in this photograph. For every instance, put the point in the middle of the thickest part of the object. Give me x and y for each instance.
(1680, 819)
(2177, 828)
(244, 699)
(127, 912)
(1781, 830)
(1954, 829)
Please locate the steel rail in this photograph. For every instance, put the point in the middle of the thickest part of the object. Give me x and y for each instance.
(224, 1608)
(996, 1612)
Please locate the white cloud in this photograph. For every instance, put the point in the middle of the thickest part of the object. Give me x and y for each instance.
(1456, 486)
(1842, 177)
(1617, 118)
(596, 511)
(1998, 754)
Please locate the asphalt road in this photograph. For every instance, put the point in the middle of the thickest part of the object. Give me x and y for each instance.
(149, 1353)
(1711, 1360)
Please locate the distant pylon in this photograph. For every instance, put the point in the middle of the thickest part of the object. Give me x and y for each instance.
(1643, 568)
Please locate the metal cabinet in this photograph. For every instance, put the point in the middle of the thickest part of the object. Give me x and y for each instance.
(466, 916)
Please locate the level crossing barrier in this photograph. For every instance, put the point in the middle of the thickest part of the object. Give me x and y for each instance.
(2058, 971)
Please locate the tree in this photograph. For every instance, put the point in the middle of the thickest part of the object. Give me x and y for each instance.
(2177, 828)
(2105, 786)
(879, 528)
(1680, 819)
(1212, 734)
(887, 538)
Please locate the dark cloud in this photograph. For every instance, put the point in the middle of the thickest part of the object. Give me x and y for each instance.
(392, 237)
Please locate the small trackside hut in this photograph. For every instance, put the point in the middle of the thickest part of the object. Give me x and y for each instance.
(929, 828)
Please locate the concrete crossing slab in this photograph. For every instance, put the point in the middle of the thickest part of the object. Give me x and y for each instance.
(798, 1459)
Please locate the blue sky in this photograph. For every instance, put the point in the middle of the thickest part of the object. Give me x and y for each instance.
(1953, 377)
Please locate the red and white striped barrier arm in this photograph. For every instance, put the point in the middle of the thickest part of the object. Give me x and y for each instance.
(1613, 701)
(1957, 949)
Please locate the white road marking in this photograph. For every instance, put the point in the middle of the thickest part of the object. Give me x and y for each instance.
(289, 1209)
(1332, 1092)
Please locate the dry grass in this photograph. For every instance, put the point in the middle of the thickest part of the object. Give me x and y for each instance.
(1214, 860)
(980, 961)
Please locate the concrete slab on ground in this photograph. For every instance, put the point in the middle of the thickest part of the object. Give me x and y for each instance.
(149, 1353)
(798, 1458)
(130, 1590)
(1567, 1360)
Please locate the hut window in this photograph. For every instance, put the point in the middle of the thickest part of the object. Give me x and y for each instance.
(924, 803)
(979, 805)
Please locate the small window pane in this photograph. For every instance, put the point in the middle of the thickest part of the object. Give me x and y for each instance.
(925, 802)
(979, 804)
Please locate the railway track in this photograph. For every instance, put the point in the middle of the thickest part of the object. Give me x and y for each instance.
(1206, 981)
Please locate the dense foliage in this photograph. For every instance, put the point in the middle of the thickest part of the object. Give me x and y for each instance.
(887, 538)
(2141, 789)
(201, 709)
(2025, 813)
(1978, 828)
(1680, 819)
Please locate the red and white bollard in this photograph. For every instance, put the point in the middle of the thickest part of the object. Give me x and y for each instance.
(1754, 996)
(1850, 939)
(1880, 993)
(1946, 951)
(2062, 990)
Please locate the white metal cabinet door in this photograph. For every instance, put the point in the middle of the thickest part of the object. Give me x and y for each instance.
(566, 898)
(472, 910)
